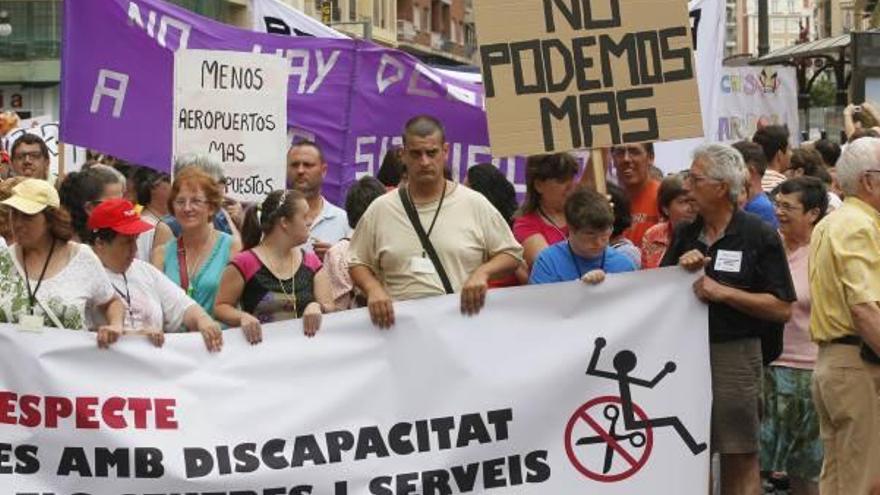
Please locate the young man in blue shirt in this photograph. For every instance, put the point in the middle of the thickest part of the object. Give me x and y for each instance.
(585, 255)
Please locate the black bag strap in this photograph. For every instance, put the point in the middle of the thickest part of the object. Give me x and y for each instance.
(423, 237)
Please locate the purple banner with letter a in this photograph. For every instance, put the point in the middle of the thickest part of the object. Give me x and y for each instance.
(350, 96)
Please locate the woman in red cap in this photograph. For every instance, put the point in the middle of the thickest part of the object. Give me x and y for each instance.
(154, 304)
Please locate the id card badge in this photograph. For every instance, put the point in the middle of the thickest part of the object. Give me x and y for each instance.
(31, 323)
(419, 264)
(728, 261)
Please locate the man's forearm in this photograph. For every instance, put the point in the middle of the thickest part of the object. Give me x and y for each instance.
(500, 265)
(763, 305)
(866, 318)
(364, 278)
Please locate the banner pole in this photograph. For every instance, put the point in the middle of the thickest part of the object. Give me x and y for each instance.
(62, 152)
(594, 175)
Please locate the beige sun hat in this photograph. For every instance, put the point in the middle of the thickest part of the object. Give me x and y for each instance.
(32, 196)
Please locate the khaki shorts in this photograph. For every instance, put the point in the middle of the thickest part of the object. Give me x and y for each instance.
(736, 396)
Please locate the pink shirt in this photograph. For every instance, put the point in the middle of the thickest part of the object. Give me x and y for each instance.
(798, 350)
(532, 223)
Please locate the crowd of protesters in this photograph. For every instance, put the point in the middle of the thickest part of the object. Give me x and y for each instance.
(786, 242)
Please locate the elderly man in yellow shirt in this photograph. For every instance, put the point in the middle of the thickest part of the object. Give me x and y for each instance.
(845, 322)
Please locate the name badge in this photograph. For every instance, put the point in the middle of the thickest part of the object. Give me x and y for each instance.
(418, 264)
(728, 261)
(31, 323)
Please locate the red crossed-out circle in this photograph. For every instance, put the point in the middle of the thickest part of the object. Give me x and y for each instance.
(583, 414)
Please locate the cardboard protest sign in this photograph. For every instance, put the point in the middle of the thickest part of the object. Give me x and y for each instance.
(567, 74)
(233, 106)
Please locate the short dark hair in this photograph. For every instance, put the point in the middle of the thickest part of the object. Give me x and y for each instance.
(392, 168)
(753, 155)
(813, 193)
(671, 188)
(423, 126)
(587, 209)
(79, 189)
(807, 159)
(361, 194)
(621, 207)
(772, 139)
(487, 180)
(559, 166)
(305, 142)
(829, 150)
(145, 179)
(28, 138)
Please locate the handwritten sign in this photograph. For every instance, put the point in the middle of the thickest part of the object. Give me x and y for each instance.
(233, 107)
(586, 73)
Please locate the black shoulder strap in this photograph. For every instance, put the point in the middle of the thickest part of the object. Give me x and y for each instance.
(423, 237)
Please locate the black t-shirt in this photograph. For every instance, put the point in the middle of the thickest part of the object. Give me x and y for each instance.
(749, 256)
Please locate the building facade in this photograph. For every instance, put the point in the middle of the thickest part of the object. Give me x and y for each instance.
(437, 31)
(789, 22)
(30, 67)
(352, 17)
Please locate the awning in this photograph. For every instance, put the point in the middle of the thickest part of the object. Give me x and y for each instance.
(811, 49)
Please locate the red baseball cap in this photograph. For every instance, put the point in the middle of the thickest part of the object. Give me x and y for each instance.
(118, 215)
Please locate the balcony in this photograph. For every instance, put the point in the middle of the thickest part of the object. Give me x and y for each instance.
(406, 31)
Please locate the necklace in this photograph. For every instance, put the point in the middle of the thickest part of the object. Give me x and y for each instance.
(188, 281)
(290, 296)
(551, 222)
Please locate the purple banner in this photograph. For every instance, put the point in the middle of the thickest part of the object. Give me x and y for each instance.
(350, 96)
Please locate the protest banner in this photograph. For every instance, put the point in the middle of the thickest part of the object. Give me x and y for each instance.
(548, 390)
(273, 16)
(233, 107)
(753, 96)
(586, 73)
(47, 129)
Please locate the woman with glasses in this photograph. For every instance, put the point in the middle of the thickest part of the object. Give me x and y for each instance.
(790, 430)
(196, 258)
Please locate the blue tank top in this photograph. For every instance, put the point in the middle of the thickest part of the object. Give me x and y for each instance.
(205, 283)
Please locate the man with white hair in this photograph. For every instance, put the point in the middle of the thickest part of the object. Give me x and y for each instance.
(748, 288)
(845, 322)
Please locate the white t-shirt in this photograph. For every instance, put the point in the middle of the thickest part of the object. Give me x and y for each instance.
(156, 301)
(468, 232)
(73, 294)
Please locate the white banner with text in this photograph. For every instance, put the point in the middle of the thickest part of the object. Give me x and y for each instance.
(553, 389)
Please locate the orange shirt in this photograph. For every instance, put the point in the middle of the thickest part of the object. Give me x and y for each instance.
(644, 211)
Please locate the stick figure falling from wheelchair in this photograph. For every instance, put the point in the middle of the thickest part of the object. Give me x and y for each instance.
(624, 363)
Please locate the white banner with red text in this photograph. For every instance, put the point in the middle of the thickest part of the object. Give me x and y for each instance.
(555, 389)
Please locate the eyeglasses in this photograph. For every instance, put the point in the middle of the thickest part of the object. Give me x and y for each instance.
(695, 178)
(24, 155)
(787, 207)
(194, 202)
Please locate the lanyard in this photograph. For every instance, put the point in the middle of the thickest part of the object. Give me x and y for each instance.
(32, 296)
(436, 212)
(551, 222)
(127, 297)
(574, 259)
